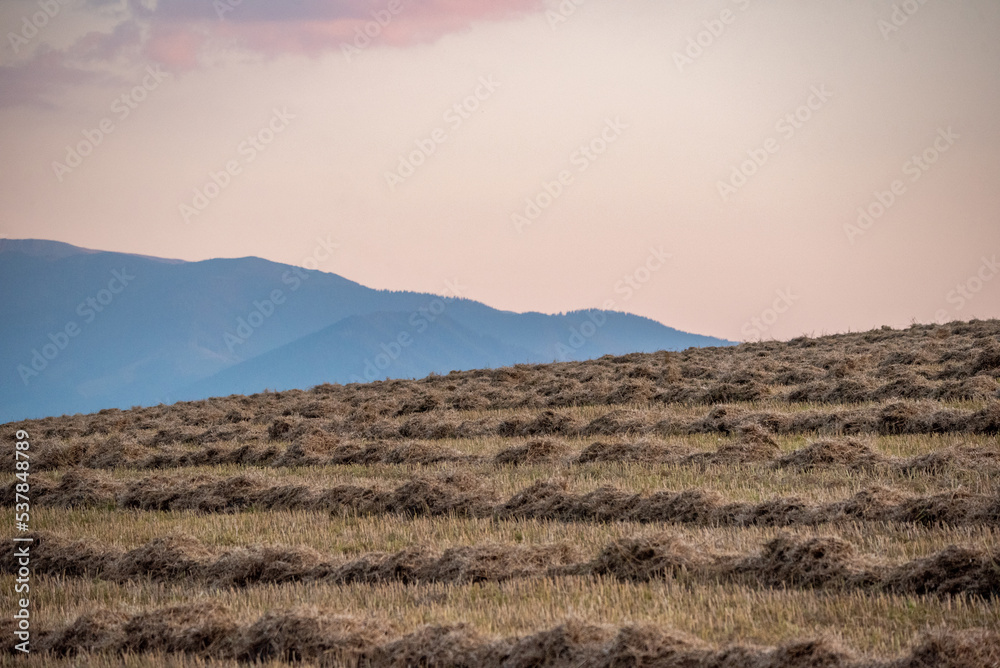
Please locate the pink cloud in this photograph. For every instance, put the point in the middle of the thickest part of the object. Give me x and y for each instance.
(417, 21)
(175, 46)
(178, 32)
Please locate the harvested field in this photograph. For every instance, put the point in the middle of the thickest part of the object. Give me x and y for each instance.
(452, 494)
(785, 561)
(209, 631)
(819, 502)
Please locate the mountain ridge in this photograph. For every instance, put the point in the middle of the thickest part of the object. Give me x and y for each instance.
(84, 330)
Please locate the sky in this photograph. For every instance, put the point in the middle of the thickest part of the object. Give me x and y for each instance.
(738, 168)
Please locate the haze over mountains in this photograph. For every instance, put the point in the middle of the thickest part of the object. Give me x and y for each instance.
(84, 330)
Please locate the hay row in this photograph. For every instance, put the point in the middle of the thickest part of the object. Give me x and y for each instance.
(785, 561)
(314, 449)
(464, 494)
(551, 500)
(755, 443)
(184, 557)
(755, 446)
(900, 417)
(888, 414)
(208, 630)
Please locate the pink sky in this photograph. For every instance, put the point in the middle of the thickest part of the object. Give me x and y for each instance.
(555, 155)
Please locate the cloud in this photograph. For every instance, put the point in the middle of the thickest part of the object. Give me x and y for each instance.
(180, 33)
(175, 46)
(257, 11)
(95, 58)
(312, 27)
(447, 13)
(122, 42)
(38, 81)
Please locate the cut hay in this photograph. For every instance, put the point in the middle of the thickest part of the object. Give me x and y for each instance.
(638, 452)
(842, 452)
(311, 636)
(537, 451)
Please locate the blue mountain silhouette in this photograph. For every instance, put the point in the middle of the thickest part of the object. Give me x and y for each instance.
(82, 330)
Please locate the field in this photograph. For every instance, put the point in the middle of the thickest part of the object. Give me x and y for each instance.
(822, 502)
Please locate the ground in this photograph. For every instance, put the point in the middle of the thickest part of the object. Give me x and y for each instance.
(819, 502)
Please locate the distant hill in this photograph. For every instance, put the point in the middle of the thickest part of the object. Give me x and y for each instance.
(82, 330)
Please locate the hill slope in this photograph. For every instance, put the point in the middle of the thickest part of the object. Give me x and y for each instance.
(819, 502)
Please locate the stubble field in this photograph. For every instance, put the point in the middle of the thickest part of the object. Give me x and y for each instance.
(828, 501)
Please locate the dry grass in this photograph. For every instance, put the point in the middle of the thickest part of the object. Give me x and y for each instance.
(348, 536)
(820, 502)
(460, 493)
(785, 561)
(308, 634)
(880, 625)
